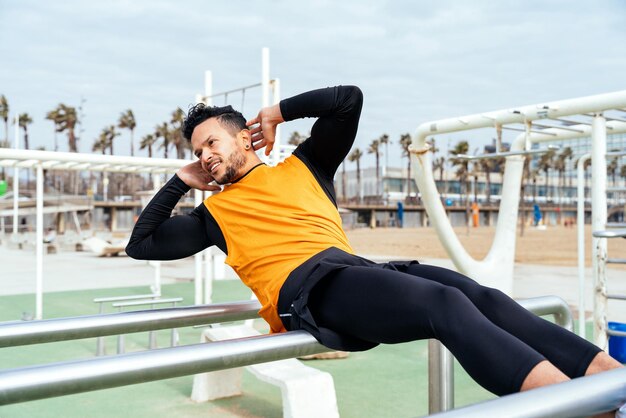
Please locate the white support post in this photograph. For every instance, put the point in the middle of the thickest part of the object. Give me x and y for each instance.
(16, 179)
(265, 77)
(580, 223)
(198, 259)
(156, 288)
(209, 274)
(39, 245)
(208, 88)
(276, 100)
(598, 223)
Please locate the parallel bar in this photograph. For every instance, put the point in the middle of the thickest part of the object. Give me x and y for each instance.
(615, 233)
(591, 395)
(616, 260)
(146, 302)
(35, 332)
(122, 298)
(616, 297)
(616, 333)
(65, 378)
(550, 305)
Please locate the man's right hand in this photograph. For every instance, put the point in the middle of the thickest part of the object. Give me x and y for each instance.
(194, 176)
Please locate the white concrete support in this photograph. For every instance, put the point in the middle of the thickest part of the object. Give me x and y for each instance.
(39, 246)
(16, 179)
(580, 225)
(496, 269)
(306, 392)
(198, 259)
(598, 223)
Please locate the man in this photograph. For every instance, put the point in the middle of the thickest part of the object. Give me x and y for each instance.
(282, 234)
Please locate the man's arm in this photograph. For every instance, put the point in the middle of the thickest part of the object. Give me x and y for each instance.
(158, 236)
(338, 110)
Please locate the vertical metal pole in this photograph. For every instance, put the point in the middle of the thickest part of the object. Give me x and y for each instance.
(39, 245)
(174, 333)
(120, 340)
(100, 340)
(276, 100)
(598, 222)
(156, 185)
(265, 77)
(16, 178)
(209, 274)
(208, 88)
(440, 378)
(198, 258)
(152, 342)
(580, 223)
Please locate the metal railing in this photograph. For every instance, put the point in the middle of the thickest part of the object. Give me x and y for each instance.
(441, 361)
(62, 329)
(38, 382)
(583, 397)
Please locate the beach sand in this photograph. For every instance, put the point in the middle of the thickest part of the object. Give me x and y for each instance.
(555, 246)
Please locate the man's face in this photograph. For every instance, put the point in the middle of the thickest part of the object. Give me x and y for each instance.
(220, 152)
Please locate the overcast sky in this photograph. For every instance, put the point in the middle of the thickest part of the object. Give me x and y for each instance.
(414, 60)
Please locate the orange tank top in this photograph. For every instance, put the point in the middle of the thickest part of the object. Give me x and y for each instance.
(273, 220)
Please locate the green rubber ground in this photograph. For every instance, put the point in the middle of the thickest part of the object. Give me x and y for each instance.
(388, 381)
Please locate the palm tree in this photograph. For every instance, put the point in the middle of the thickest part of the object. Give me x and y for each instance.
(462, 172)
(611, 169)
(355, 156)
(295, 138)
(147, 142)
(622, 173)
(384, 140)
(163, 131)
(65, 119)
(24, 121)
(176, 134)
(127, 121)
(439, 164)
(101, 143)
(568, 154)
(545, 164)
(374, 149)
(109, 133)
(487, 165)
(405, 142)
(4, 113)
(53, 116)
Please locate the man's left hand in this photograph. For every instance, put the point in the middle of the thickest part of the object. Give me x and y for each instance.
(264, 134)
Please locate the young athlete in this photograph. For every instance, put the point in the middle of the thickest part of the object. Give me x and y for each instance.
(282, 234)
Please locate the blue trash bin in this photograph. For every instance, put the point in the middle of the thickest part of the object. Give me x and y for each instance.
(617, 345)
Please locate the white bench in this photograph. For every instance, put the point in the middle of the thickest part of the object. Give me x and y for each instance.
(306, 392)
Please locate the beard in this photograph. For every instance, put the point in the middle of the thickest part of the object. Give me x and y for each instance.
(236, 161)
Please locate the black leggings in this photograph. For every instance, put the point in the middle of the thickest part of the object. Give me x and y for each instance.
(496, 340)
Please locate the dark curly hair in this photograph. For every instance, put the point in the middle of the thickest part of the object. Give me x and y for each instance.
(229, 118)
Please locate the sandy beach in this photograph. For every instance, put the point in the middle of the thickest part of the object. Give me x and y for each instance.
(555, 246)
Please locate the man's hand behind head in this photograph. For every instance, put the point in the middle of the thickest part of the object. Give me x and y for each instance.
(194, 176)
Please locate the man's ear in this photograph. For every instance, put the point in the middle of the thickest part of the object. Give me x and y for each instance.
(245, 138)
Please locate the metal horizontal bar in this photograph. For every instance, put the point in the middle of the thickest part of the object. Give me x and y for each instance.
(232, 91)
(550, 305)
(121, 298)
(586, 396)
(57, 379)
(507, 154)
(616, 333)
(146, 302)
(572, 122)
(49, 330)
(616, 225)
(532, 130)
(617, 297)
(616, 260)
(615, 153)
(616, 189)
(565, 128)
(614, 233)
